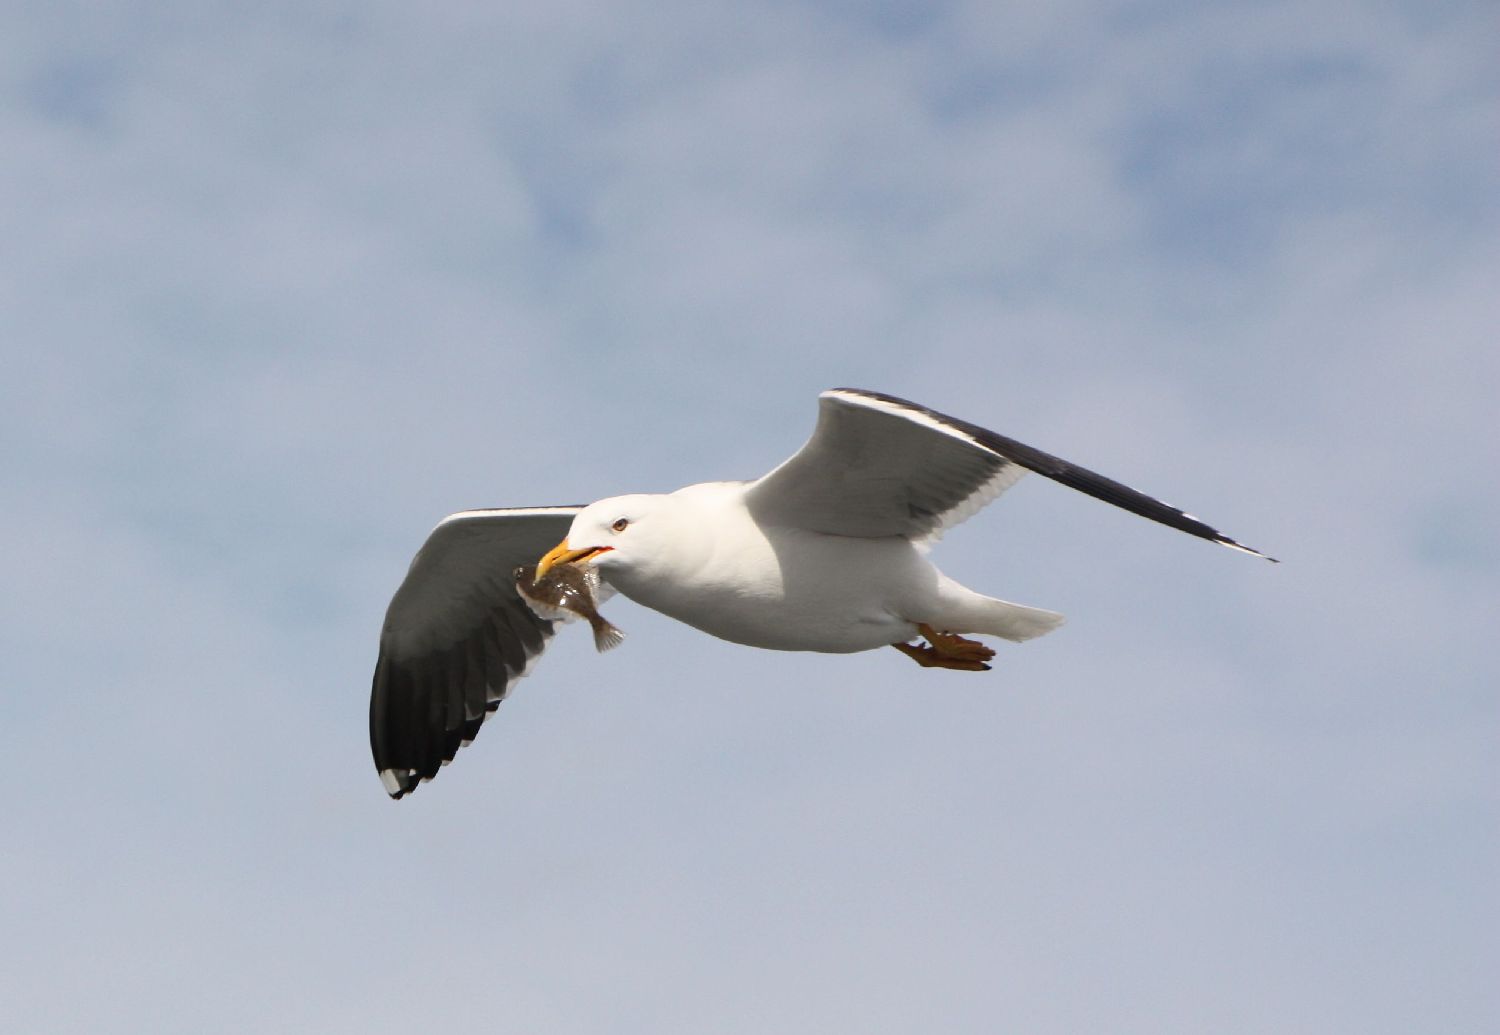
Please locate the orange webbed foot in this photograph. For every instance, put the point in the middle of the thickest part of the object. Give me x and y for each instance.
(947, 650)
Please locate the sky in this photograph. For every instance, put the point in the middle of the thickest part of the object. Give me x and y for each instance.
(284, 284)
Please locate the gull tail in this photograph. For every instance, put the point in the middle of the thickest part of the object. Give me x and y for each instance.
(961, 610)
(1016, 622)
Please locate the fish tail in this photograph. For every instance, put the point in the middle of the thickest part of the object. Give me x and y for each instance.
(606, 636)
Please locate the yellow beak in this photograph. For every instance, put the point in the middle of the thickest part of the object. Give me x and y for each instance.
(562, 553)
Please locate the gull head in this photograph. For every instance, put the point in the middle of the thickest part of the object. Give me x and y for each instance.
(619, 534)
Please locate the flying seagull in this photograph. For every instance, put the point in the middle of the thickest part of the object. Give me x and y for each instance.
(828, 552)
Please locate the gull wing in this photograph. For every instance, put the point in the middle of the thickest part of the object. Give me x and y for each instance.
(457, 635)
(878, 466)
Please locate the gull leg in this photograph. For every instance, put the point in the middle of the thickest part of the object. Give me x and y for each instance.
(947, 650)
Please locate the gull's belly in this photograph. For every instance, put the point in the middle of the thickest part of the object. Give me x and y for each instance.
(795, 590)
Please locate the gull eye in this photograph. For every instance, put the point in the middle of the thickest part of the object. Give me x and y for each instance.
(620, 525)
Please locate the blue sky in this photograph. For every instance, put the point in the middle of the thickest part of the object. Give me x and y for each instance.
(284, 286)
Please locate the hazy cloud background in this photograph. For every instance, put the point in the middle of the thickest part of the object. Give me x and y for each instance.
(282, 286)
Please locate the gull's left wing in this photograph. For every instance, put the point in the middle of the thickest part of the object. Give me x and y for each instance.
(456, 637)
(879, 466)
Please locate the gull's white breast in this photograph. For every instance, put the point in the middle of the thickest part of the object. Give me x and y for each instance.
(775, 587)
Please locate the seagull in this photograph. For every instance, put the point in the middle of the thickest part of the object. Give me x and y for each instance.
(828, 552)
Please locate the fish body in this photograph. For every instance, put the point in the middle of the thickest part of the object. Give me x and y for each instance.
(566, 592)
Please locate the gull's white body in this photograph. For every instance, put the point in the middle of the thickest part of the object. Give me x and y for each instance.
(785, 588)
(828, 552)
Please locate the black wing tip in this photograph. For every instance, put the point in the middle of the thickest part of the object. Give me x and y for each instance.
(399, 782)
(1224, 540)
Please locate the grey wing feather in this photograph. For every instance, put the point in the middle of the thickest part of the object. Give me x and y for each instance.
(873, 469)
(456, 637)
(878, 465)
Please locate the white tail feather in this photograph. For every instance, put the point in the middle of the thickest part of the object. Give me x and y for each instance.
(1017, 622)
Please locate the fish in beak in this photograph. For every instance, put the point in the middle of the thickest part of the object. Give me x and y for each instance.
(562, 553)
